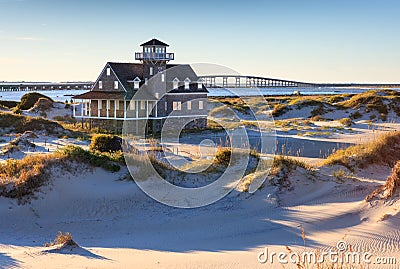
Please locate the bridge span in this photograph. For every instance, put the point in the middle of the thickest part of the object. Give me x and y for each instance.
(44, 86)
(236, 81)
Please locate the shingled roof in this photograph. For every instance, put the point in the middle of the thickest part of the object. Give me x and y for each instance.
(127, 72)
(101, 95)
(154, 42)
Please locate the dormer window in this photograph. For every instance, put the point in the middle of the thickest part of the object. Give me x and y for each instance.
(187, 83)
(162, 77)
(100, 84)
(136, 83)
(108, 71)
(200, 84)
(175, 83)
(151, 71)
(116, 85)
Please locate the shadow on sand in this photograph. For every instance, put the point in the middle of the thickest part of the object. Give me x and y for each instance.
(74, 250)
(8, 262)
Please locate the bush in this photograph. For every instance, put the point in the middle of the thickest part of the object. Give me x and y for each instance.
(78, 154)
(223, 156)
(346, 122)
(62, 239)
(106, 143)
(279, 110)
(29, 100)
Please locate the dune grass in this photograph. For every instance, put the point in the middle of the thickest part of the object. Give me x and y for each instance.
(391, 186)
(19, 178)
(385, 150)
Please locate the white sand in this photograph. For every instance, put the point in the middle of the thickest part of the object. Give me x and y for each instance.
(118, 226)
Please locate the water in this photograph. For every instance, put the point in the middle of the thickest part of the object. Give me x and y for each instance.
(285, 91)
(64, 95)
(56, 95)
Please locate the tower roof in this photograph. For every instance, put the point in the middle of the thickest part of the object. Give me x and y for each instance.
(154, 42)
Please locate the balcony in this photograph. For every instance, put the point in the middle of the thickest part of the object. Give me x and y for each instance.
(153, 56)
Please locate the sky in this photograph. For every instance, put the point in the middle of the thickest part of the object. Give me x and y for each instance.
(308, 40)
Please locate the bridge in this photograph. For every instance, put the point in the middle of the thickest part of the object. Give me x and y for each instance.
(44, 86)
(236, 81)
(210, 81)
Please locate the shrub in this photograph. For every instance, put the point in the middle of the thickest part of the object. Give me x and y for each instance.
(223, 156)
(96, 159)
(279, 110)
(346, 122)
(106, 143)
(62, 239)
(29, 100)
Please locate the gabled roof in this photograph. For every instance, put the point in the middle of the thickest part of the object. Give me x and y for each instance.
(154, 42)
(127, 72)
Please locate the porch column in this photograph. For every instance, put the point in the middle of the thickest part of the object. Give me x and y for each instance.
(81, 107)
(137, 108)
(124, 109)
(107, 108)
(90, 107)
(147, 109)
(115, 108)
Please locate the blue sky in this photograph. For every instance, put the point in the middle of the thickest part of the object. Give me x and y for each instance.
(310, 40)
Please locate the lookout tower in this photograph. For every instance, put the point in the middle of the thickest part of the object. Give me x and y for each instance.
(154, 57)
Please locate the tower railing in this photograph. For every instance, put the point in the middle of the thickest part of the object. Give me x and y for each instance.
(154, 56)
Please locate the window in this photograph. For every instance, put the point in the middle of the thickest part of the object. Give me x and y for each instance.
(176, 106)
(157, 95)
(199, 85)
(100, 84)
(151, 71)
(189, 105)
(136, 85)
(175, 83)
(142, 105)
(166, 106)
(132, 105)
(201, 105)
(115, 85)
(162, 77)
(187, 83)
(108, 71)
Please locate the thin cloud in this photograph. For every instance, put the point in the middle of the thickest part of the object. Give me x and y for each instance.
(28, 38)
